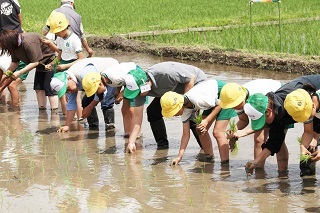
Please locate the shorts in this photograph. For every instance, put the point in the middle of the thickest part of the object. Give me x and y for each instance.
(42, 82)
(132, 101)
(20, 67)
(224, 114)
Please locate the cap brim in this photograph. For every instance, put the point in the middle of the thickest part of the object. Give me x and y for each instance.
(304, 117)
(131, 94)
(173, 112)
(62, 91)
(259, 123)
(93, 89)
(233, 104)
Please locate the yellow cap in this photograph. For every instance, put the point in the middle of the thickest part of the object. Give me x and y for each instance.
(298, 105)
(57, 22)
(90, 83)
(171, 103)
(232, 95)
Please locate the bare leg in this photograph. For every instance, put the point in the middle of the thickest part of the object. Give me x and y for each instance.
(42, 99)
(219, 130)
(13, 89)
(54, 102)
(283, 157)
(127, 113)
(79, 105)
(63, 102)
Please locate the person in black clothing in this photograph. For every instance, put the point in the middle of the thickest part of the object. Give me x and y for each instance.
(281, 110)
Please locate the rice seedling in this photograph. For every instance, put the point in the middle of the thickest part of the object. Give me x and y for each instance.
(303, 157)
(233, 140)
(8, 73)
(197, 119)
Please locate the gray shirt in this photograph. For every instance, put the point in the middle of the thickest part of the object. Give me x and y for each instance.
(170, 76)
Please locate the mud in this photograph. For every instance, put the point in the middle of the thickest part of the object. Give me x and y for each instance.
(88, 171)
(283, 63)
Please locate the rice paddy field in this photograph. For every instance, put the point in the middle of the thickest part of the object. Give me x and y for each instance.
(105, 17)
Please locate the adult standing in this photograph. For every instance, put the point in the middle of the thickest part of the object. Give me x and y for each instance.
(75, 23)
(157, 80)
(10, 16)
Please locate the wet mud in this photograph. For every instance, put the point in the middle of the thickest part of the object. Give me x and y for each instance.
(88, 171)
(285, 63)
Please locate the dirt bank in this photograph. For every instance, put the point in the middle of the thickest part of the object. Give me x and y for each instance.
(282, 63)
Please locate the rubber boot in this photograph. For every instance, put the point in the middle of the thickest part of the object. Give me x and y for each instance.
(308, 168)
(193, 127)
(108, 115)
(93, 119)
(160, 134)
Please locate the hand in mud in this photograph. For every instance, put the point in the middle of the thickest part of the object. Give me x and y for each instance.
(48, 67)
(131, 148)
(250, 166)
(63, 129)
(175, 161)
(315, 156)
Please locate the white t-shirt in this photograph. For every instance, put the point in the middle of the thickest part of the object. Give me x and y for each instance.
(262, 86)
(203, 96)
(117, 74)
(98, 62)
(5, 61)
(70, 47)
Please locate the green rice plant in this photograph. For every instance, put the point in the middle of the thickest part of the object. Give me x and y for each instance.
(233, 145)
(8, 73)
(197, 119)
(304, 158)
(299, 139)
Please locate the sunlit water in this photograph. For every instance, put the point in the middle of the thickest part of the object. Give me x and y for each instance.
(88, 171)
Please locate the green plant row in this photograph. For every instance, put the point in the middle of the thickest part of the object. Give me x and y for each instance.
(106, 17)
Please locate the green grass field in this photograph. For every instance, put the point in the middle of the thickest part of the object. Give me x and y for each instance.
(106, 17)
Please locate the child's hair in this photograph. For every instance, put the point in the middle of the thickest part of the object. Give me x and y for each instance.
(310, 88)
(8, 41)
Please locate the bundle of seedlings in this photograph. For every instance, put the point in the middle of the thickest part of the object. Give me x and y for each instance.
(233, 145)
(198, 119)
(56, 62)
(303, 157)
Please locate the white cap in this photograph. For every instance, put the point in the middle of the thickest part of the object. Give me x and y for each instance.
(66, 1)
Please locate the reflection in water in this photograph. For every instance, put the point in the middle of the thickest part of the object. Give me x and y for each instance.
(88, 171)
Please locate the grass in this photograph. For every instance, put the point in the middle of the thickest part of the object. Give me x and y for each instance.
(124, 16)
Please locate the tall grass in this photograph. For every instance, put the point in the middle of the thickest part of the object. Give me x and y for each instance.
(106, 17)
(297, 38)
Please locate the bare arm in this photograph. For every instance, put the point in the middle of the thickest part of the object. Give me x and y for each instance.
(69, 118)
(20, 20)
(135, 128)
(88, 109)
(190, 84)
(183, 144)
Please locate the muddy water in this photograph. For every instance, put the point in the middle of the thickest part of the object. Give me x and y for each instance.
(88, 171)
